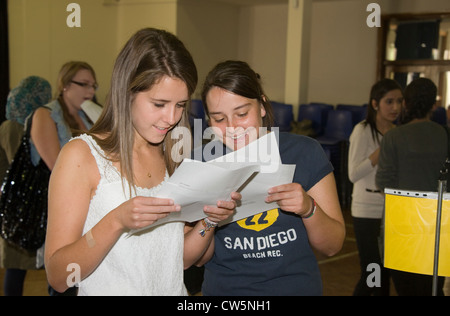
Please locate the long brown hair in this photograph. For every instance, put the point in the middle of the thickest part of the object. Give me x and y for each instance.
(147, 57)
(378, 91)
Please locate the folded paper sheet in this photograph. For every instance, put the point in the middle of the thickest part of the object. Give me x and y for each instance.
(195, 184)
(92, 110)
(410, 224)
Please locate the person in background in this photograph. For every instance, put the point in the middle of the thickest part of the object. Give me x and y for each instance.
(309, 212)
(32, 93)
(385, 103)
(56, 123)
(105, 182)
(411, 157)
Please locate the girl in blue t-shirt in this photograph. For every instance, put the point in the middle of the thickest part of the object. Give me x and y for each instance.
(270, 253)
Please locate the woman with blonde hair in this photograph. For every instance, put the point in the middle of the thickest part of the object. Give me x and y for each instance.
(105, 182)
(55, 124)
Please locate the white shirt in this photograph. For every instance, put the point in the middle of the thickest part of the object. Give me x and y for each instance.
(366, 203)
(147, 263)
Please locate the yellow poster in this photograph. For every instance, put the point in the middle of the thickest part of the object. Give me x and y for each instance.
(410, 223)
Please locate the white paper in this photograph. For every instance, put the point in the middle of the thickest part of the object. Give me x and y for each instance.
(92, 110)
(195, 184)
(266, 154)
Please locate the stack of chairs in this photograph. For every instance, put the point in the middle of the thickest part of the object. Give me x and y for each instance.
(325, 108)
(314, 114)
(358, 112)
(283, 115)
(334, 126)
(335, 140)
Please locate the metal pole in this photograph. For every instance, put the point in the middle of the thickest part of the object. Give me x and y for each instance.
(441, 190)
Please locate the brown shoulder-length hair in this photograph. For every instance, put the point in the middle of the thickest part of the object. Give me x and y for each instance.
(238, 78)
(66, 74)
(147, 57)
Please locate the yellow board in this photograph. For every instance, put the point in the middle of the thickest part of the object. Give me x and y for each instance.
(410, 223)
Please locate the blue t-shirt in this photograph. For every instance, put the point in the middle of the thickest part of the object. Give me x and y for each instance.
(269, 253)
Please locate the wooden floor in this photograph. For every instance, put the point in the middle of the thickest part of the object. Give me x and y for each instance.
(339, 273)
(35, 283)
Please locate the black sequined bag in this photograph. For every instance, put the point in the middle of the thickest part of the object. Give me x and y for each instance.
(24, 200)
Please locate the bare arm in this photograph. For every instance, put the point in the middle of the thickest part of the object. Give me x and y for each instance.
(198, 249)
(73, 183)
(45, 137)
(326, 228)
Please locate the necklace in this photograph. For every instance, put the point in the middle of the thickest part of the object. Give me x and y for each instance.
(149, 174)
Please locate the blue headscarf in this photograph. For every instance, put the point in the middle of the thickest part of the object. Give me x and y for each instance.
(32, 92)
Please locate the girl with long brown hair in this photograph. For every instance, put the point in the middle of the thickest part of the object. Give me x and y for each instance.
(105, 182)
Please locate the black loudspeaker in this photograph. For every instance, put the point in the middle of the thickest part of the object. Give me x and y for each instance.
(416, 40)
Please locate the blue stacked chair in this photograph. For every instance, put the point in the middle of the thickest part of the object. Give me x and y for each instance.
(196, 111)
(339, 127)
(325, 108)
(335, 141)
(283, 115)
(358, 112)
(439, 116)
(312, 113)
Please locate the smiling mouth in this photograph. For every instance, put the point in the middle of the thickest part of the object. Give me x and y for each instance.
(162, 130)
(236, 137)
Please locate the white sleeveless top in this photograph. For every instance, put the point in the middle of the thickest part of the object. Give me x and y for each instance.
(148, 263)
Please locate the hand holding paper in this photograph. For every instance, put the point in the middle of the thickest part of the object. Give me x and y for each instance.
(195, 184)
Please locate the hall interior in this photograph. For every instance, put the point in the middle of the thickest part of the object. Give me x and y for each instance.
(306, 51)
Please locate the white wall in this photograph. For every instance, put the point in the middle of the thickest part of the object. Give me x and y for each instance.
(342, 63)
(342, 54)
(41, 42)
(215, 31)
(210, 37)
(262, 43)
(134, 15)
(343, 49)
